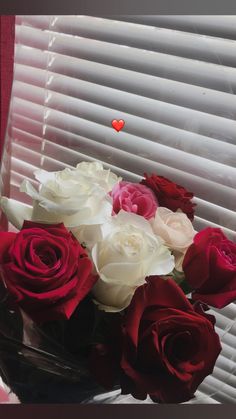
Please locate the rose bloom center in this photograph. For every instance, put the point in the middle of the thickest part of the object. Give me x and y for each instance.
(175, 225)
(129, 244)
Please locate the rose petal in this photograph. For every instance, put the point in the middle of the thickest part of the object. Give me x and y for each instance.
(15, 211)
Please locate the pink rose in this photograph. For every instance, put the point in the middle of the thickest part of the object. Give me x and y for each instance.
(134, 197)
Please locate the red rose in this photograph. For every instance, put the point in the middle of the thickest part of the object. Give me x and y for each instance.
(168, 346)
(170, 195)
(210, 268)
(45, 269)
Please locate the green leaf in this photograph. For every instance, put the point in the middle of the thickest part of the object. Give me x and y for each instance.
(185, 287)
(180, 280)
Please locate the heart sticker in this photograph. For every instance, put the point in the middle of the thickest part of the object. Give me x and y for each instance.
(118, 125)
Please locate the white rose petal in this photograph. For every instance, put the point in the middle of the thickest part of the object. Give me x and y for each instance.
(15, 211)
(88, 234)
(97, 175)
(77, 197)
(114, 297)
(127, 253)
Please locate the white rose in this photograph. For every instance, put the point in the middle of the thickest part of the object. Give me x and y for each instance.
(88, 235)
(96, 175)
(127, 253)
(176, 230)
(73, 196)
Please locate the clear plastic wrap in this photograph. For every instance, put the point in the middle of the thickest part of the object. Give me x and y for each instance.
(35, 366)
(39, 370)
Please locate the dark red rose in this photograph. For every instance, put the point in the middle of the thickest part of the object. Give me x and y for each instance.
(168, 347)
(104, 357)
(170, 194)
(210, 268)
(104, 365)
(45, 269)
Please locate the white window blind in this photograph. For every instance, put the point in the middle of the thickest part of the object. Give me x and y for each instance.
(172, 79)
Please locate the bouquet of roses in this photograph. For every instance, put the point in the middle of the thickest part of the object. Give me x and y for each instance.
(120, 265)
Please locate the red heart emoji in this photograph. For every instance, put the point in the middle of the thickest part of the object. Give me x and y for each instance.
(118, 125)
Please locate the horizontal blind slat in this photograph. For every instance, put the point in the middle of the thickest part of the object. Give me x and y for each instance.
(197, 144)
(219, 26)
(200, 224)
(33, 127)
(173, 67)
(216, 214)
(211, 191)
(125, 103)
(199, 166)
(189, 96)
(168, 41)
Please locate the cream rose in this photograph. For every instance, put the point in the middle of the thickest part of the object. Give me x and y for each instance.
(75, 197)
(176, 230)
(97, 175)
(127, 252)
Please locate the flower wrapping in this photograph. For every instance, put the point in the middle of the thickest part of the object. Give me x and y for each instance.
(115, 276)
